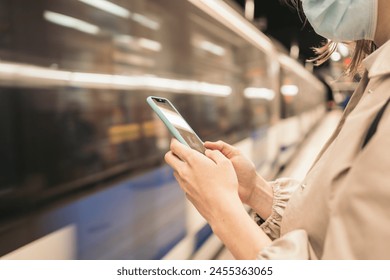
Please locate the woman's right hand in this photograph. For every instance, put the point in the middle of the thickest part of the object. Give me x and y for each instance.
(244, 168)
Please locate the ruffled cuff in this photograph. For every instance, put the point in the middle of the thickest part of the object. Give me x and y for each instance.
(282, 190)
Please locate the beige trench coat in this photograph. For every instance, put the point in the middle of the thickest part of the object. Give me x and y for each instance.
(342, 208)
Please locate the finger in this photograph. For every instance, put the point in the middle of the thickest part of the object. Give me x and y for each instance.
(226, 149)
(172, 160)
(213, 145)
(182, 151)
(216, 156)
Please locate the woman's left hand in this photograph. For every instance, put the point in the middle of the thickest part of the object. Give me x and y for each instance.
(209, 180)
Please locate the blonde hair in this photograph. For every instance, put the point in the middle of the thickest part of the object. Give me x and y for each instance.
(361, 50)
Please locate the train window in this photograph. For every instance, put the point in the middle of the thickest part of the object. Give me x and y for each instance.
(257, 86)
(78, 76)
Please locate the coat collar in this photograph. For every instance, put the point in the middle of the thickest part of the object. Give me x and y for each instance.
(378, 63)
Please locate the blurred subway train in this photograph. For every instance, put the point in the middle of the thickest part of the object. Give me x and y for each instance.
(82, 174)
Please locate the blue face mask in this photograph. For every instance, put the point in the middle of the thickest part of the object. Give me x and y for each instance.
(342, 20)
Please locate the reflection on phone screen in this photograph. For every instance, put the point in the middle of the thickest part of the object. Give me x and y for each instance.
(181, 125)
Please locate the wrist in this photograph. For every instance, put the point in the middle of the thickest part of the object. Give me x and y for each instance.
(235, 224)
(233, 211)
(261, 198)
(230, 206)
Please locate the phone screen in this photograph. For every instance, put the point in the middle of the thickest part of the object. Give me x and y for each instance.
(174, 117)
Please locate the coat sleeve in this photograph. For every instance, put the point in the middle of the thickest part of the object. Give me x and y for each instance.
(359, 225)
(282, 191)
(293, 245)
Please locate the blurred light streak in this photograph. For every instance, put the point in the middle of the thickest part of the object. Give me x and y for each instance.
(71, 22)
(145, 21)
(212, 48)
(259, 93)
(289, 90)
(108, 7)
(24, 74)
(149, 44)
(130, 41)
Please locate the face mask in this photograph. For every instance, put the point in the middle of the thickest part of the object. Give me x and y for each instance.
(342, 20)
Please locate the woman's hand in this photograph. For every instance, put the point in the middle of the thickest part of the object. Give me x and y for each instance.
(244, 168)
(209, 182)
(253, 189)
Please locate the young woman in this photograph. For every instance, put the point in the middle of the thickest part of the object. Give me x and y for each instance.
(341, 210)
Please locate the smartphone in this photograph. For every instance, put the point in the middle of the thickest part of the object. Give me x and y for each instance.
(175, 123)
